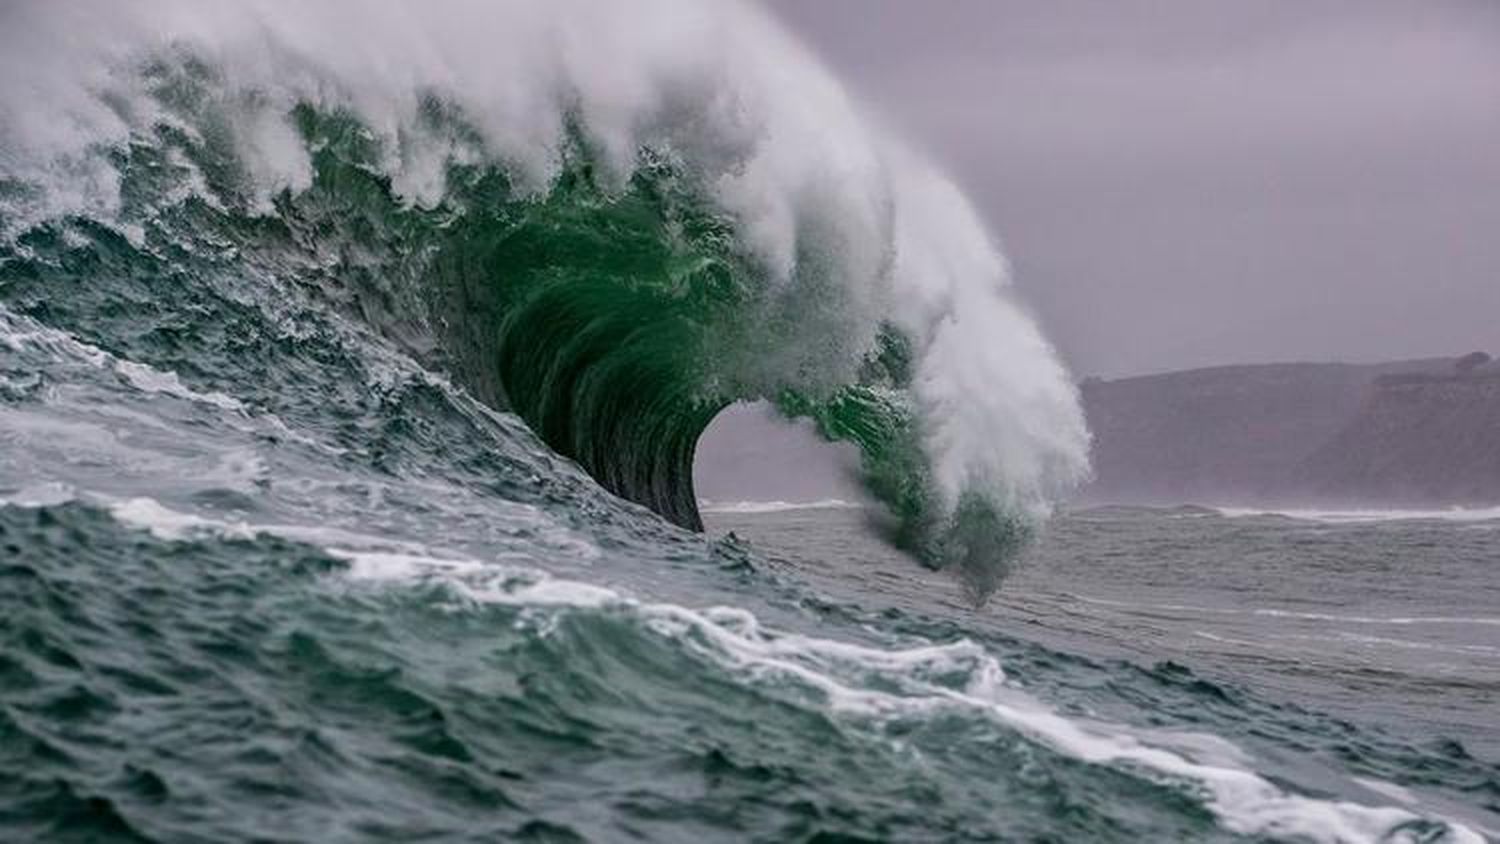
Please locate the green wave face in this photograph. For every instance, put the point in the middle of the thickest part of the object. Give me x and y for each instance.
(619, 321)
(592, 316)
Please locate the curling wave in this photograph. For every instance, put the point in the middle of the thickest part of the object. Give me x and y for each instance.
(613, 220)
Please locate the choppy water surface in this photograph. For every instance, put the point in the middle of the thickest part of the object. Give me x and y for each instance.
(235, 614)
(1384, 617)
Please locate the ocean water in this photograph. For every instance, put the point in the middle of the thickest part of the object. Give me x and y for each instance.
(352, 363)
(304, 632)
(284, 642)
(1385, 618)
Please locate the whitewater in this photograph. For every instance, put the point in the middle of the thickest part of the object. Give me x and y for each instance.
(353, 358)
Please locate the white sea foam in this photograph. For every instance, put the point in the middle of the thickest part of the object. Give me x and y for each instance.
(1389, 790)
(749, 507)
(150, 380)
(819, 197)
(18, 333)
(45, 494)
(372, 555)
(1402, 620)
(865, 682)
(1383, 642)
(163, 523)
(1274, 612)
(489, 582)
(862, 681)
(1452, 514)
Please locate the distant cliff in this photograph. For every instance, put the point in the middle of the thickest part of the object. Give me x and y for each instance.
(1416, 439)
(1409, 432)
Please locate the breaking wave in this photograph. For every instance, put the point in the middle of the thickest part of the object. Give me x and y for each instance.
(613, 220)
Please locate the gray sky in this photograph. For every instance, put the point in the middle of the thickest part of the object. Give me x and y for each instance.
(1190, 182)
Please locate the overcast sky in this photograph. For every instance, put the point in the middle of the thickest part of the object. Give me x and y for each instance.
(1190, 182)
